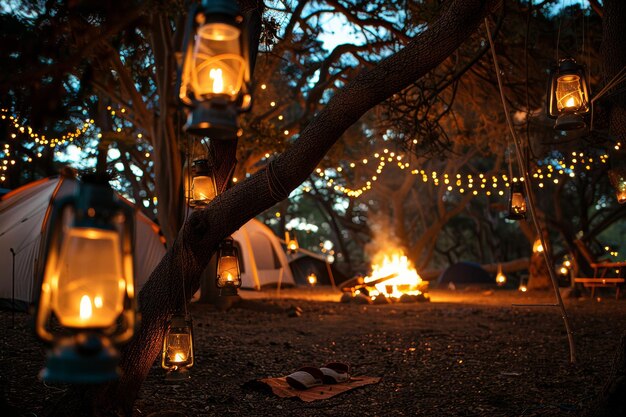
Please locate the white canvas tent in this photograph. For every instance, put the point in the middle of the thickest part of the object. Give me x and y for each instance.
(23, 216)
(263, 259)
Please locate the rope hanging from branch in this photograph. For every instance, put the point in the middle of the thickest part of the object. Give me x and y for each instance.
(277, 190)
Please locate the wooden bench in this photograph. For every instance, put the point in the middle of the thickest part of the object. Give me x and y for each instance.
(605, 273)
(600, 282)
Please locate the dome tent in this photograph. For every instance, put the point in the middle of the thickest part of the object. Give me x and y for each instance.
(262, 259)
(464, 273)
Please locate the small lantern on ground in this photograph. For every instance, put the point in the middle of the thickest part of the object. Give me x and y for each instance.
(203, 187)
(228, 273)
(215, 73)
(177, 356)
(568, 95)
(500, 277)
(88, 286)
(312, 279)
(292, 243)
(617, 176)
(522, 285)
(517, 202)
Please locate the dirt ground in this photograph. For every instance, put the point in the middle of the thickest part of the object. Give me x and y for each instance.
(466, 353)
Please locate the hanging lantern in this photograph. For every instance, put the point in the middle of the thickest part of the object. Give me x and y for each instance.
(177, 356)
(228, 274)
(568, 95)
(312, 279)
(500, 277)
(88, 286)
(517, 202)
(537, 246)
(203, 187)
(292, 244)
(617, 176)
(215, 71)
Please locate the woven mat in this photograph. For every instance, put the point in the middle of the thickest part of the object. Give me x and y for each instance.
(282, 389)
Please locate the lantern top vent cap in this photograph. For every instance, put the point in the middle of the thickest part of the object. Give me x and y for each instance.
(221, 7)
(568, 65)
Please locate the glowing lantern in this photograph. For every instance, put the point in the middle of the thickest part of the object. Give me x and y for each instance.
(312, 278)
(177, 354)
(500, 277)
(88, 285)
(568, 95)
(292, 244)
(537, 246)
(203, 187)
(215, 73)
(228, 275)
(517, 202)
(617, 176)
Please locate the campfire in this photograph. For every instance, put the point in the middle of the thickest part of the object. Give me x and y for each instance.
(393, 278)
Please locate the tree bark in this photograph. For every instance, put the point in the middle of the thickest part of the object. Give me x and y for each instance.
(201, 233)
(612, 399)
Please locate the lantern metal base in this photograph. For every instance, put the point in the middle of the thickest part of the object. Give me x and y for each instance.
(214, 122)
(570, 121)
(515, 216)
(228, 291)
(91, 360)
(177, 375)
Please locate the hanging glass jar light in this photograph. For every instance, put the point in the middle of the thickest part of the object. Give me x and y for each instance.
(292, 243)
(617, 176)
(517, 202)
(568, 95)
(228, 273)
(88, 285)
(537, 246)
(203, 188)
(177, 356)
(215, 71)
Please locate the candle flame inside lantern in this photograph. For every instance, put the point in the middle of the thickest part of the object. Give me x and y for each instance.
(218, 80)
(86, 310)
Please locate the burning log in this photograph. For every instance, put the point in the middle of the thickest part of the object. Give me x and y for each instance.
(357, 283)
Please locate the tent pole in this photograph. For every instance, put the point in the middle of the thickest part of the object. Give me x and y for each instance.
(13, 291)
(330, 275)
(280, 281)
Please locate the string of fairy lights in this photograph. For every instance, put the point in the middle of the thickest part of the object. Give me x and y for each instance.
(478, 183)
(555, 170)
(7, 154)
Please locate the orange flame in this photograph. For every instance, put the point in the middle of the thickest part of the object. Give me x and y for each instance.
(394, 261)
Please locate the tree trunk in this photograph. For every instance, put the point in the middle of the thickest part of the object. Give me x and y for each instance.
(200, 235)
(612, 399)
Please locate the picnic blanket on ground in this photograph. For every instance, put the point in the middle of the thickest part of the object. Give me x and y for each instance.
(282, 389)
